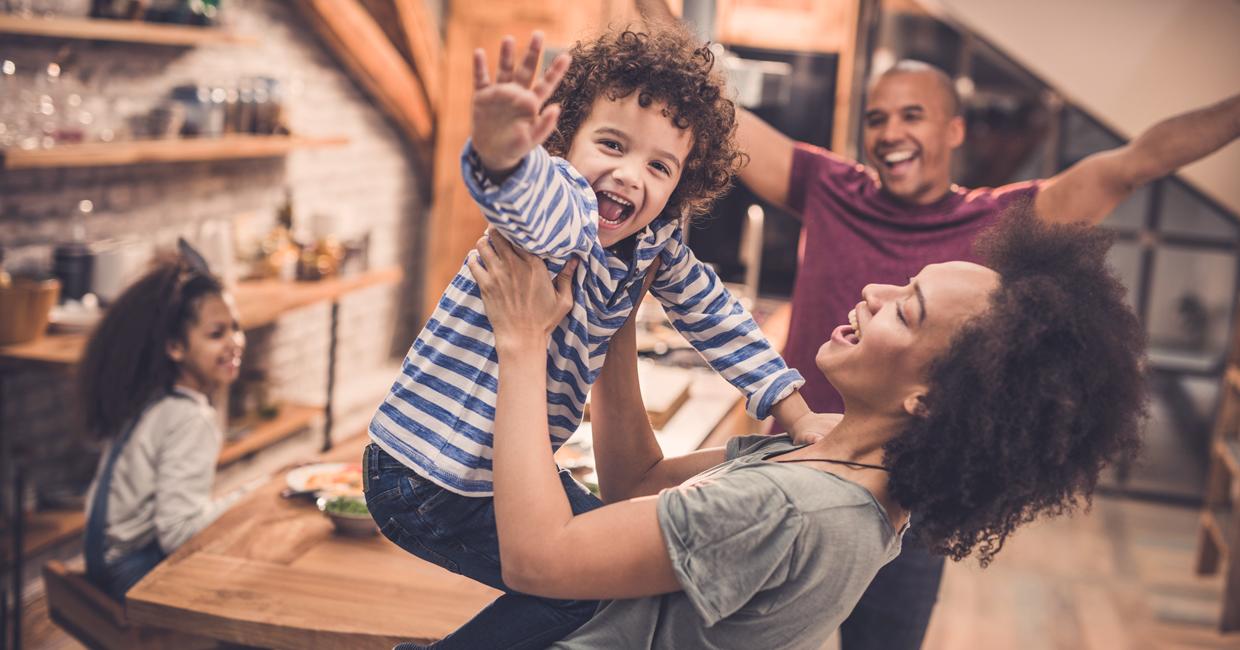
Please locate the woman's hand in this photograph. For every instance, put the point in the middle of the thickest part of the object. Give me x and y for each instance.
(522, 303)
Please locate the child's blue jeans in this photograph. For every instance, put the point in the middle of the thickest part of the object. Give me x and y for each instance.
(459, 534)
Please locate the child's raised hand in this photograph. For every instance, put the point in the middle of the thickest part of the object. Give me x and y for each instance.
(509, 118)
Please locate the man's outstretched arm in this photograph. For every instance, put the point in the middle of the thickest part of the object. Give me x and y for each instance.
(1089, 190)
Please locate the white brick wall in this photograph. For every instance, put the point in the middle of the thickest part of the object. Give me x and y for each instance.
(372, 184)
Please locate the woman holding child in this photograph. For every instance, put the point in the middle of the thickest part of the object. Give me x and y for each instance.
(978, 398)
(638, 135)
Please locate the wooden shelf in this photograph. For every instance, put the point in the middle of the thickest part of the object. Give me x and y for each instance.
(43, 530)
(137, 152)
(291, 419)
(122, 31)
(260, 302)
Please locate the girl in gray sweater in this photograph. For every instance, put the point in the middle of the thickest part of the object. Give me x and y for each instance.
(170, 340)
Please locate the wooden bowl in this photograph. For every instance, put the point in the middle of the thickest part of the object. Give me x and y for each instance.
(25, 306)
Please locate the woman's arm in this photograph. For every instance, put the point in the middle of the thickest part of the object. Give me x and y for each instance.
(544, 549)
(627, 457)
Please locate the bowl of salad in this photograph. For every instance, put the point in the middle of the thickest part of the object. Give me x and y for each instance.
(349, 515)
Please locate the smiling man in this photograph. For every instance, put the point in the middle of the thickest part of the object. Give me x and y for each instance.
(884, 222)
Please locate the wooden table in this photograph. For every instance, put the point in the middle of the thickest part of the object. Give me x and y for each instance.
(272, 573)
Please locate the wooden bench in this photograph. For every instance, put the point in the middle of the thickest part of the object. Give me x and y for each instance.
(97, 621)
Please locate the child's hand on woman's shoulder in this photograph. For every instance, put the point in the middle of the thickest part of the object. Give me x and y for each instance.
(509, 118)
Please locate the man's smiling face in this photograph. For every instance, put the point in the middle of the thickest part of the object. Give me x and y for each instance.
(911, 130)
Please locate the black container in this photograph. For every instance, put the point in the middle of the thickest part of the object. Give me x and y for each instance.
(73, 263)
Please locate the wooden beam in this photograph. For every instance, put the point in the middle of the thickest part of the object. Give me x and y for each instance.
(362, 47)
(384, 13)
(850, 76)
(424, 45)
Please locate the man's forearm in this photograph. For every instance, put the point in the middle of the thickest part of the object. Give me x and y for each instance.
(655, 11)
(1183, 139)
(1089, 190)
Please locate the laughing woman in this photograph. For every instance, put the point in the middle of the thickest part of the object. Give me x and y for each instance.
(977, 398)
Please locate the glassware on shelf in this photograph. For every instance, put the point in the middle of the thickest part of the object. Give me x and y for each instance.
(20, 8)
(10, 107)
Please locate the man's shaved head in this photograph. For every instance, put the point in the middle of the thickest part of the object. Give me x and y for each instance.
(950, 96)
(912, 124)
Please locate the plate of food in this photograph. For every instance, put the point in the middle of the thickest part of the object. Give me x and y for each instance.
(327, 479)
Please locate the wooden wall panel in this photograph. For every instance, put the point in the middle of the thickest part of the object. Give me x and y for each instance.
(424, 45)
(376, 65)
(829, 26)
(803, 25)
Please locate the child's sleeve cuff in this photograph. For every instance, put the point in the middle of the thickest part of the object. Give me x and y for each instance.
(482, 188)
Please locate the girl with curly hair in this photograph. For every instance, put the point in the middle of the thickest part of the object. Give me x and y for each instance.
(168, 342)
(646, 138)
(979, 398)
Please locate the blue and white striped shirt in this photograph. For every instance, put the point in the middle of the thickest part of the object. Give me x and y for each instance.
(438, 417)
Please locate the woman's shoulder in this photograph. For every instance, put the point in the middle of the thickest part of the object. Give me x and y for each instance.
(812, 490)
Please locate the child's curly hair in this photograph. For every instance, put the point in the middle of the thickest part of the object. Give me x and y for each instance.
(666, 65)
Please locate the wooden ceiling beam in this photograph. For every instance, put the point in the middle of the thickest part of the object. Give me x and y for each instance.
(424, 44)
(361, 45)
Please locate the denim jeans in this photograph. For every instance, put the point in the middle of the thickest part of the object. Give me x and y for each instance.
(127, 570)
(895, 610)
(459, 534)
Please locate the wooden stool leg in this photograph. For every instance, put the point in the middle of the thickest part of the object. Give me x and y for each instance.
(1208, 551)
(1231, 586)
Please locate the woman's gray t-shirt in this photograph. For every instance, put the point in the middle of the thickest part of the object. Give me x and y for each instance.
(769, 555)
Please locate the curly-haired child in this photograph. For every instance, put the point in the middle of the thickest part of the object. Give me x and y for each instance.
(166, 344)
(645, 132)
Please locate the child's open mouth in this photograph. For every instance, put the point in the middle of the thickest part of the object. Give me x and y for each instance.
(613, 209)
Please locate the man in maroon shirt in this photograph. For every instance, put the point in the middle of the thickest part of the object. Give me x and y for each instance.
(882, 224)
